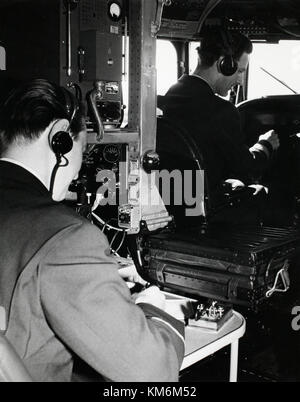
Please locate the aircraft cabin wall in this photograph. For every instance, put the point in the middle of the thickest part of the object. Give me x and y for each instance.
(67, 42)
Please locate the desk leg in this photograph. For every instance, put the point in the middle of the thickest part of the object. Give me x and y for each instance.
(234, 360)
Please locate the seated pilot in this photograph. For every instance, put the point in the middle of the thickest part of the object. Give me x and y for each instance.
(195, 103)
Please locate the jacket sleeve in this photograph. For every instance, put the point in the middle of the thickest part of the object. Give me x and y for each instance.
(89, 307)
(242, 163)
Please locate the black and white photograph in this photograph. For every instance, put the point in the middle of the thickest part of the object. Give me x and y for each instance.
(149, 194)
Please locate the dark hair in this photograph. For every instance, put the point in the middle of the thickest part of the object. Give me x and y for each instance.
(7, 85)
(31, 107)
(217, 42)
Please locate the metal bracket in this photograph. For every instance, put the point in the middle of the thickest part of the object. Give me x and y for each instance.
(285, 279)
(155, 25)
(81, 62)
(92, 96)
(160, 272)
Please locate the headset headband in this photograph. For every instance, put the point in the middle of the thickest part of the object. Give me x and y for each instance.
(70, 103)
(227, 41)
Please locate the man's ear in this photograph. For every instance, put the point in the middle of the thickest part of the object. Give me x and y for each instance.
(59, 125)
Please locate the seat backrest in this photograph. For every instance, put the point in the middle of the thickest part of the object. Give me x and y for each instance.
(12, 368)
(178, 152)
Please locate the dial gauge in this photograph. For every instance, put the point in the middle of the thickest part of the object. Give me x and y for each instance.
(111, 153)
(114, 11)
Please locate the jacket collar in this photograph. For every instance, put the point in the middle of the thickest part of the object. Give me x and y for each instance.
(19, 177)
(196, 82)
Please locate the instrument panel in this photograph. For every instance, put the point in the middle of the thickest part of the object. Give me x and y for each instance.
(101, 157)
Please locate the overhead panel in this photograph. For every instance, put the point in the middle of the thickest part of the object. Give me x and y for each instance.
(269, 19)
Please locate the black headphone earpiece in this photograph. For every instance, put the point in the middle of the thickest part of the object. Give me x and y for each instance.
(227, 65)
(62, 142)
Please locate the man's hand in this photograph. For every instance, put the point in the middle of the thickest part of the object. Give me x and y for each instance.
(271, 137)
(235, 184)
(151, 295)
(258, 188)
(130, 274)
(238, 185)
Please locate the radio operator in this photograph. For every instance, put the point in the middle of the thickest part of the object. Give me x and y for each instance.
(58, 284)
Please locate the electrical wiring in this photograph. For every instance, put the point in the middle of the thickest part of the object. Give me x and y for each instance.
(122, 241)
(113, 239)
(55, 169)
(117, 230)
(115, 251)
(106, 224)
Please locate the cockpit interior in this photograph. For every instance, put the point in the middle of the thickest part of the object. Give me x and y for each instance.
(105, 53)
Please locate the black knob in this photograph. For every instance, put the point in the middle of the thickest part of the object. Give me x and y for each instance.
(150, 161)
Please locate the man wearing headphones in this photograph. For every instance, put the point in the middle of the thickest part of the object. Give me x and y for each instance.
(195, 102)
(59, 286)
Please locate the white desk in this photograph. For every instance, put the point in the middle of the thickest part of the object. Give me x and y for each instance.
(200, 342)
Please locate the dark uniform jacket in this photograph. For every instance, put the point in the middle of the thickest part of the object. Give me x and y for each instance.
(63, 294)
(215, 125)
